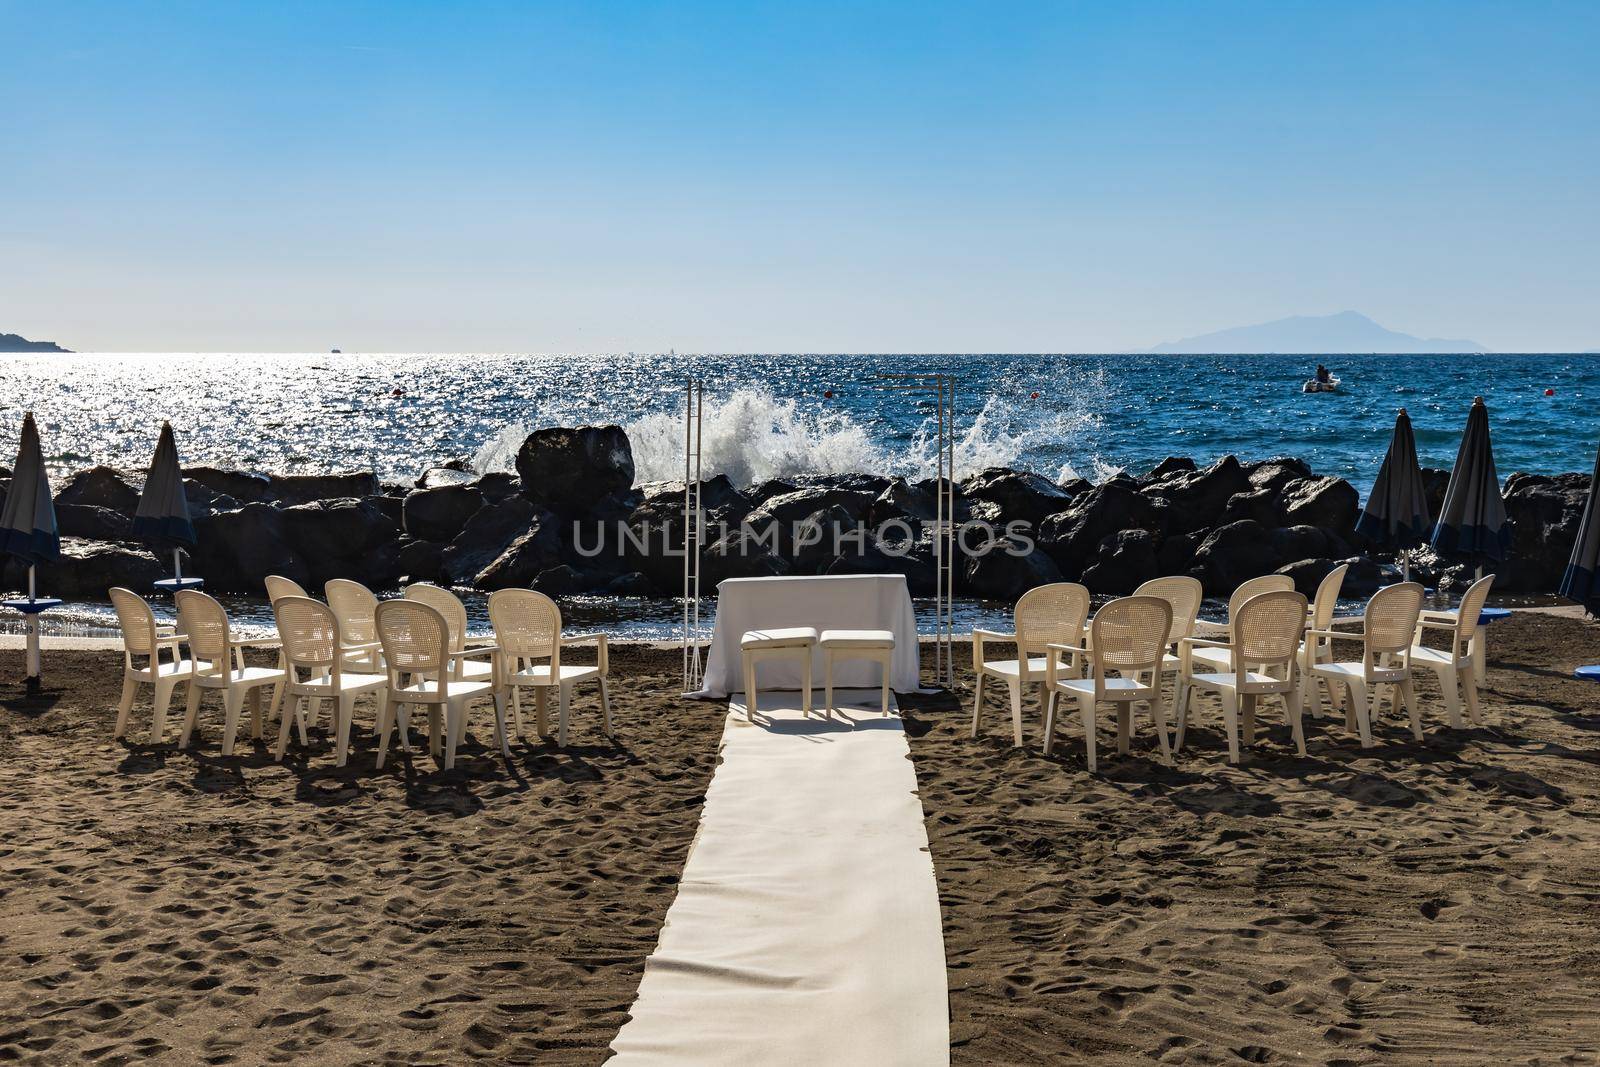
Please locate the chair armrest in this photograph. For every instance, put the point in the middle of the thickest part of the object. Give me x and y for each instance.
(1347, 635)
(476, 651)
(574, 639)
(1439, 616)
(170, 639)
(1071, 650)
(1432, 624)
(1208, 642)
(991, 635)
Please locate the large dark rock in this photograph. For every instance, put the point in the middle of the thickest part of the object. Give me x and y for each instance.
(499, 485)
(1331, 503)
(787, 509)
(565, 468)
(1289, 543)
(94, 523)
(1168, 467)
(998, 574)
(439, 477)
(242, 486)
(741, 553)
(1434, 484)
(910, 503)
(420, 561)
(917, 566)
(291, 489)
(1545, 512)
(204, 500)
(1231, 554)
(1274, 474)
(1366, 577)
(860, 483)
(440, 514)
(1019, 494)
(1176, 554)
(1307, 574)
(1197, 499)
(1124, 561)
(486, 536)
(821, 537)
(90, 568)
(337, 538)
(99, 487)
(236, 550)
(534, 551)
(1258, 504)
(1072, 537)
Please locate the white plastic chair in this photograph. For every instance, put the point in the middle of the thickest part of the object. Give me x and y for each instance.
(1388, 627)
(311, 643)
(220, 665)
(527, 627)
(1263, 634)
(142, 637)
(1216, 659)
(1454, 664)
(1128, 636)
(356, 608)
(279, 587)
(416, 652)
(1185, 595)
(1047, 616)
(1320, 649)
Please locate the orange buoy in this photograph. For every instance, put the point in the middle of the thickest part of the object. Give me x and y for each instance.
(827, 394)
(1033, 396)
(1549, 392)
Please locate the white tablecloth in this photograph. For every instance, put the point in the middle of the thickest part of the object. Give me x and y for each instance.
(825, 602)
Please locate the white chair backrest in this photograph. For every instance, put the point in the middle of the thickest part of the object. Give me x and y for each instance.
(446, 604)
(1051, 614)
(1472, 602)
(1266, 630)
(1184, 594)
(527, 624)
(356, 608)
(415, 642)
(138, 622)
(310, 633)
(205, 623)
(1390, 621)
(1266, 583)
(1130, 637)
(278, 586)
(1327, 601)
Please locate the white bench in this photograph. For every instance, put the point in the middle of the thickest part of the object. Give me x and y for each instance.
(874, 645)
(786, 642)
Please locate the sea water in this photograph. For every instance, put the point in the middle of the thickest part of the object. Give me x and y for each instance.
(774, 416)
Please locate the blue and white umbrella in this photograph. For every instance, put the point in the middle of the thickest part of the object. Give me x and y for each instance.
(1581, 582)
(28, 531)
(162, 517)
(1396, 516)
(1472, 521)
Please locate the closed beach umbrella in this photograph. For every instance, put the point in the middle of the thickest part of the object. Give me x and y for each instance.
(162, 517)
(28, 530)
(1472, 520)
(1396, 516)
(1579, 583)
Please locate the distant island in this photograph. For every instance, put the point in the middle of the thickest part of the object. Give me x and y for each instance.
(13, 342)
(1348, 331)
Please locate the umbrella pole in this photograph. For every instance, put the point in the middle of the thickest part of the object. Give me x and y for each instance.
(1405, 565)
(33, 635)
(177, 563)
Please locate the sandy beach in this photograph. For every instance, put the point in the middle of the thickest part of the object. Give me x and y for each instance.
(1415, 904)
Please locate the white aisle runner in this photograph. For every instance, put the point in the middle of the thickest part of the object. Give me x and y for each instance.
(806, 929)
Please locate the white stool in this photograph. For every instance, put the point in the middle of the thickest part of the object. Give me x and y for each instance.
(788, 642)
(874, 645)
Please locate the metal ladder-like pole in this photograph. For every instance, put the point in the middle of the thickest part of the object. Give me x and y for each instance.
(693, 529)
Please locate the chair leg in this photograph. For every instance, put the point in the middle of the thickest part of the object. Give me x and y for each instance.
(1450, 686)
(1015, 686)
(1247, 718)
(541, 710)
(1293, 702)
(749, 689)
(500, 723)
(1185, 694)
(386, 709)
(563, 702)
(191, 715)
(977, 701)
(253, 695)
(434, 726)
(346, 710)
(1050, 702)
(1124, 726)
(288, 711)
(883, 664)
(605, 704)
(1408, 694)
(827, 682)
(1474, 712)
(130, 686)
(1158, 712)
(1230, 720)
(1354, 695)
(1363, 701)
(1086, 712)
(516, 709)
(455, 713)
(231, 701)
(805, 685)
(159, 700)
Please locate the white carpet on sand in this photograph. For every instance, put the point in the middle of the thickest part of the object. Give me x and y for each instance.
(806, 929)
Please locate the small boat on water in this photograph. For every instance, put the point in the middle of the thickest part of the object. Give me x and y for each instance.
(1315, 386)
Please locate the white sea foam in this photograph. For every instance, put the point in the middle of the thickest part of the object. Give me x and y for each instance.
(752, 435)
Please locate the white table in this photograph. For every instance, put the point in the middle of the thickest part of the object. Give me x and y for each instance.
(825, 602)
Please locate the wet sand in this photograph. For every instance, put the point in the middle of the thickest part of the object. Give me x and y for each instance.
(1414, 904)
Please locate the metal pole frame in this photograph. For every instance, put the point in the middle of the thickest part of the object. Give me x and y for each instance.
(943, 388)
(693, 528)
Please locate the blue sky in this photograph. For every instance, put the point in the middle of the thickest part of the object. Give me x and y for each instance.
(786, 176)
